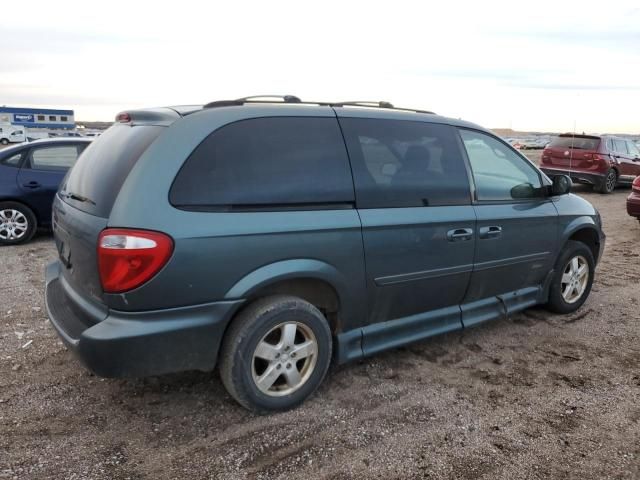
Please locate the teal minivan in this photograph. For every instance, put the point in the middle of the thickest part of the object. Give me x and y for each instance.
(270, 237)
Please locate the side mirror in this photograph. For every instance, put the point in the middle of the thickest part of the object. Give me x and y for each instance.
(561, 185)
(524, 190)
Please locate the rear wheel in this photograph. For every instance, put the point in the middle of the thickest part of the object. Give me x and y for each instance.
(275, 354)
(572, 279)
(609, 181)
(17, 223)
(4, 141)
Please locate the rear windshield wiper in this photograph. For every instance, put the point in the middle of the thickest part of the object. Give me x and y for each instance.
(78, 198)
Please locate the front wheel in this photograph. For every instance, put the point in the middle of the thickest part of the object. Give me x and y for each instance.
(275, 354)
(573, 278)
(4, 141)
(609, 182)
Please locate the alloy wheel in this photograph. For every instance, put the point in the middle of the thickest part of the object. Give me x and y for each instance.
(611, 181)
(13, 224)
(284, 359)
(575, 279)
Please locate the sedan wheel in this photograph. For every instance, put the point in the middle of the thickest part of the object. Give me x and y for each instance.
(17, 223)
(13, 225)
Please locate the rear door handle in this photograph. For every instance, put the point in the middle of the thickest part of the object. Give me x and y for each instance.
(32, 184)
(460, 234)
(493, 231)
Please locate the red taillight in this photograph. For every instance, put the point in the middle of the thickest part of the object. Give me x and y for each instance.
(128, 258)
(636, 185)
(123, 117)
(546, 155)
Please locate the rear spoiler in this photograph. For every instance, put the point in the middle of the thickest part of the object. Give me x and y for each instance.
(163, 116)
(578, 135)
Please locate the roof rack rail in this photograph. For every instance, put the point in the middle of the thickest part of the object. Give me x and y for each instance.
(279, 99)
(254, 99)
(380, 104)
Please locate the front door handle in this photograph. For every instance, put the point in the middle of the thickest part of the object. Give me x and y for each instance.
(493, 231)
(31, 184)
(460, 234)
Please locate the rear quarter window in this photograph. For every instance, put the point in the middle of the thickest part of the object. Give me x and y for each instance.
(267, 163)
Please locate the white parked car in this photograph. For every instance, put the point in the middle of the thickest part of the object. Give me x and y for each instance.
(10, 134)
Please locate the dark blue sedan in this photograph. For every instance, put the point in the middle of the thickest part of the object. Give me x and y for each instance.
(30, 174)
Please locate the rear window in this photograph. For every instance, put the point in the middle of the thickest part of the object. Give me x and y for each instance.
(267, 163)
(92, 185)
(577, 143)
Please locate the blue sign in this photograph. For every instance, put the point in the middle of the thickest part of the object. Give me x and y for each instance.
(23, 117)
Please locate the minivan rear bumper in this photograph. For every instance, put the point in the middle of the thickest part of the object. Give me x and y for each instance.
(136, 344)
(591, 178)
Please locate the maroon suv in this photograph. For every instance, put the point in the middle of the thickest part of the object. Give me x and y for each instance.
(602, 161)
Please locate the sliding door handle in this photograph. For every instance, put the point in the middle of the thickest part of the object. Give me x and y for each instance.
(460, 234)
(490, 232)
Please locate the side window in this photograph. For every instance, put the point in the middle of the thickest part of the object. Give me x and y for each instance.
(55, 158)
(610, 146)
(400, 163)
(499, 172)
(275, 162)
(620, 146)
(633, 149)
(13, 160)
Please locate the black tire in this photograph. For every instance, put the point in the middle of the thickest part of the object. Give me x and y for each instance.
(609, 181)
(250, 328)
(557, 302)
(24, 235)
(4, 141)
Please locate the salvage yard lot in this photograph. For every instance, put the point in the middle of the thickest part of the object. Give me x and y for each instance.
(535, 395)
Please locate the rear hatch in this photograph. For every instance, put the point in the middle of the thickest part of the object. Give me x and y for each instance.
(83, 204)
(571, 152)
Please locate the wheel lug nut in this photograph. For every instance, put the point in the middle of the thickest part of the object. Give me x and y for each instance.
(288, 365)
(278, 367)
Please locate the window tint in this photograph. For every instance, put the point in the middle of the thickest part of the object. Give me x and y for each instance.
(58, 157)
(52, 118)
(283, 161)
(499, 172)
(63, 118)
(400, 163)
(619, 145)
(41, 118)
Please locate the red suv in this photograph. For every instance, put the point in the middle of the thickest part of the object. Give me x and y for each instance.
(602, 161)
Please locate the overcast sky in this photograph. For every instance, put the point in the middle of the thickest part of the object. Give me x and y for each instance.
(542, 66)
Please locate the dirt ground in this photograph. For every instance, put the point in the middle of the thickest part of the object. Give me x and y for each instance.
(532, 396)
